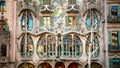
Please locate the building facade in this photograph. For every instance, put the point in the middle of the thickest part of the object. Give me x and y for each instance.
(114, 33)
(60, 34)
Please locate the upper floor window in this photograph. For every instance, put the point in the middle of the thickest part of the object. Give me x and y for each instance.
(46, 21)
(114, 63)
(46, 2)
(2, 5)
(3, 50)
(27, 21)
(114, 12)
(92, 19)
(71, 2)
(114, 39)
(72, 21)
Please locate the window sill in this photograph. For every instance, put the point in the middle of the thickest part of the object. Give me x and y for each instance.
(114, 50)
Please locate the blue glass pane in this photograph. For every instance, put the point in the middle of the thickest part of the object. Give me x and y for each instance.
(88, 22)
(66, 40)
(27, 18)
(23, 21)
(30, 22)
(2, 3)
(114, 7)
(92, 20)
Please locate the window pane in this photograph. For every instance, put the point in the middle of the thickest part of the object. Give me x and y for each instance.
(67, 45)
(95, 45)
(41, 46)
(115, 40)
(27, 20)
(114, 12)
(92, 20)
(26, 49)
(72, 1)
(2, 5)
(46, 2)
(47, 22)
(51, 45)
(3, 50)
(77, 46)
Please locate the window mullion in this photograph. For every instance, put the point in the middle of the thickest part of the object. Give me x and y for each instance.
(119, 39)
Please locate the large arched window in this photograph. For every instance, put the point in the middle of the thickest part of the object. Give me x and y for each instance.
(41, 46)
(51, 45)
(26, 47)
(27, 20)
(92, 19)
(93, 45)
(77, 50)
(67, 45)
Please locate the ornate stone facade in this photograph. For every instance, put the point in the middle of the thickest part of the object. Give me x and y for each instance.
(58, 33)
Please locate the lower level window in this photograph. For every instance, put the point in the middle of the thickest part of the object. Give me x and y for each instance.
(115, 63)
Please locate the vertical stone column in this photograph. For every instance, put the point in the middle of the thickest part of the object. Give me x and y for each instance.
(10, 12)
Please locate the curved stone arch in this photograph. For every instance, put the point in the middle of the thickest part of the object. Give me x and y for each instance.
(59, 64)
(29, 62)
(26, 9)
(50, 65)
(75, 62)
(96, 62)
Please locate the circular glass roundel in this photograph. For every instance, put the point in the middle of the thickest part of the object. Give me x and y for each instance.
(27, 20)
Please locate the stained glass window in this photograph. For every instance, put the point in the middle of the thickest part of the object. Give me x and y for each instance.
(67, 45)
(41, 46)
(27, 48)
(94, 44)
(77, 46)
(51, 45)
(92, 20)
(27, 20)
